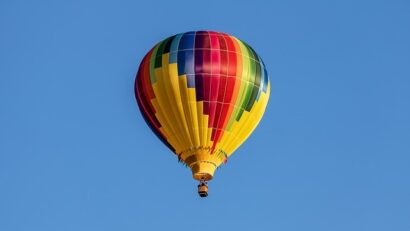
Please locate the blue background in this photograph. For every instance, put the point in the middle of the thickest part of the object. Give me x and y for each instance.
(332, 152)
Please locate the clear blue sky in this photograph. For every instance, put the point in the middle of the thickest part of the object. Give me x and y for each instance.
(332, 152)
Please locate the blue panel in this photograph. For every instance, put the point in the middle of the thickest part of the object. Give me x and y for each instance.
(265, 79)
(262, 83)
(186, 62)
(173, 57)
(181, 63)
(185, 57)
(187, 41)
(191, 81)
(189, 62)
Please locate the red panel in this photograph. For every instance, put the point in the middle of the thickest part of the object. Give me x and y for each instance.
(226, 88)
(146, 76)
(214, 77)
(232, 56)
(207, 92)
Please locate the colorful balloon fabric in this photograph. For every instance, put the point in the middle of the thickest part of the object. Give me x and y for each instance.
(202, 93)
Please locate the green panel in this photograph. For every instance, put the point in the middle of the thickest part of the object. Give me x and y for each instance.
(160, 52)
(250, 85)
(244, 82)
(152, 66)
(257, 81)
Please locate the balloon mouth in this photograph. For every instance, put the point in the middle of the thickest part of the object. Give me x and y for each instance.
(202, 176)
(203, 170)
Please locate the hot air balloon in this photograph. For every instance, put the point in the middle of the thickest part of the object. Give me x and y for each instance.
(202, 93)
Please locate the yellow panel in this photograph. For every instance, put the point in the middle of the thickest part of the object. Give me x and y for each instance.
(172, 80)
(166, 128)
(171, 87)
(200, 119)
(167, 109)
(249, 122)
(194, 112)
(182, 82)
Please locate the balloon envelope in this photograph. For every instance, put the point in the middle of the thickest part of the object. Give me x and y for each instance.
(202, 93)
